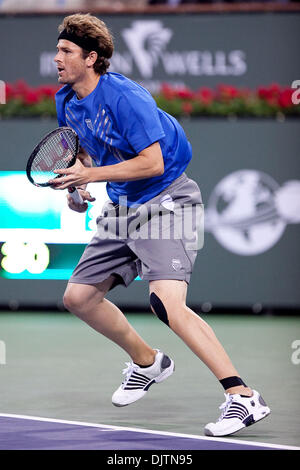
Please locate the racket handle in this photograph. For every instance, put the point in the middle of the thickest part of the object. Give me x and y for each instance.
(75, 196)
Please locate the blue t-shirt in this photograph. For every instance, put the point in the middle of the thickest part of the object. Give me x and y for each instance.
(115, 122)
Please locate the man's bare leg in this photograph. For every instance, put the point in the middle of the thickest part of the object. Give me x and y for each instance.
(88, 303)
(194, 331)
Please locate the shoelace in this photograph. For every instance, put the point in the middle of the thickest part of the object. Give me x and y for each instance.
(225, 406)
(131, 367)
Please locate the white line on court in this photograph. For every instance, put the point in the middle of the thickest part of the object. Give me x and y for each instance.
(150, 431)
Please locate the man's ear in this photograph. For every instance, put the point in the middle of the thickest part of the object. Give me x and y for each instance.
(91, 58)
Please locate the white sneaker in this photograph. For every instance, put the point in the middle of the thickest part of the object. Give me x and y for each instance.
(138, 380)
(238, 412)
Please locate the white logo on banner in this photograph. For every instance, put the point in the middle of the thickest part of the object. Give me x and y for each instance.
(248, 211)
(147, 41)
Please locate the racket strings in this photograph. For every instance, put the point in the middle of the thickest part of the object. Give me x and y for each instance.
(58, 152)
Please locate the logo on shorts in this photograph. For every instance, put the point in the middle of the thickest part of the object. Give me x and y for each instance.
(176, 264)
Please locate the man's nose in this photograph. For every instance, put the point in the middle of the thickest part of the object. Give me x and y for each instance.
(57, 57)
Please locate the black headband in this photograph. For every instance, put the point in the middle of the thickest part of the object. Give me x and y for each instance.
(86, 42)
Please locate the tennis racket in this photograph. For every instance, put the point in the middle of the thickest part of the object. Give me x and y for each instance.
(56, 150)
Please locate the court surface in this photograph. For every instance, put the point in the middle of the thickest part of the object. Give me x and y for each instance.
(58, 375)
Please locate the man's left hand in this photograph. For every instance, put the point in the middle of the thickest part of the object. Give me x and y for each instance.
(76, 175)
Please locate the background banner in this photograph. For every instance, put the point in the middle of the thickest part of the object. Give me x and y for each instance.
(194, 50)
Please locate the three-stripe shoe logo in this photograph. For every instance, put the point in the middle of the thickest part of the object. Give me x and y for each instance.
(236, 410)
(134, 380)
(138, 381)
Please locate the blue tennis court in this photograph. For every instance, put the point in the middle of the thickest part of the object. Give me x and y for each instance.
(33, 433)
(59, 375)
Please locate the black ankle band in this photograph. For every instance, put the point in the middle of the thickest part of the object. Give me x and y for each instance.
(234, 381)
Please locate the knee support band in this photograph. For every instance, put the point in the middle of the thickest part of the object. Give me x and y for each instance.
(159, 308)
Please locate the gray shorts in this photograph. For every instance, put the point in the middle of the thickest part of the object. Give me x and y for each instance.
(156, 240)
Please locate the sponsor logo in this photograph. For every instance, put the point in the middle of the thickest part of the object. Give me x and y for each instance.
(167, 202)
(248, 211)
(147, 41)
(89, 124)
(296, 93)
(176, 264)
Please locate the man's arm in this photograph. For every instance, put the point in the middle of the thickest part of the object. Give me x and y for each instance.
(86, 160)
(148, 163)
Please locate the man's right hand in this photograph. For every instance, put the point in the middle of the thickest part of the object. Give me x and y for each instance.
(86, 196)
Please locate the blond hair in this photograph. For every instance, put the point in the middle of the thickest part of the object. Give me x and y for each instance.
(84, 24)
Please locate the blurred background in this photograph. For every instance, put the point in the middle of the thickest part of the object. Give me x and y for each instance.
(230, 72)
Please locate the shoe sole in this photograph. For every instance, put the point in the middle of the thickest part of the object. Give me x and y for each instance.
(160, 378)
(250, 422)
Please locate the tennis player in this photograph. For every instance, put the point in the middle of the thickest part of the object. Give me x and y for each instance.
(142, 153)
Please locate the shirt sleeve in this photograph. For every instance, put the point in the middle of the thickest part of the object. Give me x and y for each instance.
(138, 119)
(61, 118)
(60, 100)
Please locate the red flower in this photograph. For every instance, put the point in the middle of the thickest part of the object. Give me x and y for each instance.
(187, 107)
(263, 93)
(170, 93)
(205, 95)
(245, 93)
(273, 95)
(21, 87)
(274, 89)
(227, 92)
(31, 96)
(167, 92)
(185, 94)
(47, 91)
(9, 91)
(285, 98)
(270, 93)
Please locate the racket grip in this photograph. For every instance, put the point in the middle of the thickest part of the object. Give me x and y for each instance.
(75, 196)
